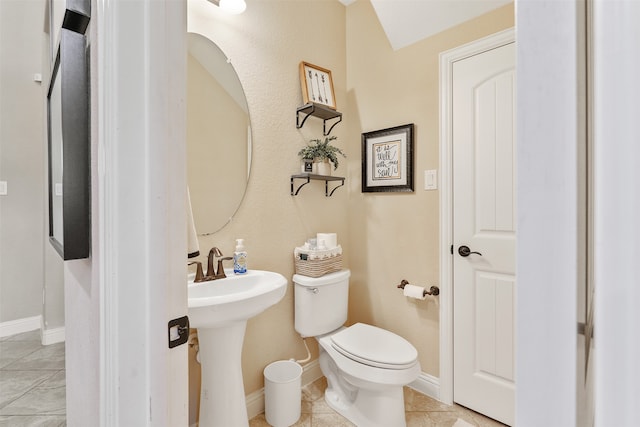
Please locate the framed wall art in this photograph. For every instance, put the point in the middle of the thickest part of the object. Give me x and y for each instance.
(387, 160)
(317, 85)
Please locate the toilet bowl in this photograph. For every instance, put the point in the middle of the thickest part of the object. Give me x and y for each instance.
(365, 383)
(366, 367)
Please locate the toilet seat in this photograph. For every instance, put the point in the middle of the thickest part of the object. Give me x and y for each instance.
(375, 347)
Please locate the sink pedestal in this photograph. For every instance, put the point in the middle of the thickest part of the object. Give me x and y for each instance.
(219, 309)
(222, 400)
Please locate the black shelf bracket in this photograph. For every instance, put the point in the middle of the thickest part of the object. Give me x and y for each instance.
(309, 176)
(326, 132)
(320, 111)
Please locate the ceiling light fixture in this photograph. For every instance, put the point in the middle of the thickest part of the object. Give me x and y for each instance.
(233, 6)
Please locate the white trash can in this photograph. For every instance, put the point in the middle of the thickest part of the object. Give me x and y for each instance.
(282, 393)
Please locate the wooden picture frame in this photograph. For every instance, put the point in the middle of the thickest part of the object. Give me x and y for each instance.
(317, 85)
(387, 160)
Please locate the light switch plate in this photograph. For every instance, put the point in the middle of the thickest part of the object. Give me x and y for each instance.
(3, 188)
(431, 179)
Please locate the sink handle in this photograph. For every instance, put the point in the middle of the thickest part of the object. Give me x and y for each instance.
(199, 275)
(220, 273)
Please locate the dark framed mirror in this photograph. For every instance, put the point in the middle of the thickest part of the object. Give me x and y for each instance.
(69, 138)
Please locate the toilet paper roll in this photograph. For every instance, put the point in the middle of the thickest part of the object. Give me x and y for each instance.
(412, 291)
(330, 239)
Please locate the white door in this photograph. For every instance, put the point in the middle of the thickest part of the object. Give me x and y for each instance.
(484, 218)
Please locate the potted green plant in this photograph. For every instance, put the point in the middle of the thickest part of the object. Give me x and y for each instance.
(321, 153)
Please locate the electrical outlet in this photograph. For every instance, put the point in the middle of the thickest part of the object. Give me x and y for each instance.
(3, 188)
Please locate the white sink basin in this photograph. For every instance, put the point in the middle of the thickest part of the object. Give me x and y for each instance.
(216, 303)
(220, 310)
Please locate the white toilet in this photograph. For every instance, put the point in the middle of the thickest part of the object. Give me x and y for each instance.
(365, 366)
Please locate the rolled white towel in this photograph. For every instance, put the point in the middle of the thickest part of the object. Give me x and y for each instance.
(193, 247)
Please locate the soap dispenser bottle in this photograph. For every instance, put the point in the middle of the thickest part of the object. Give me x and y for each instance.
(240, 258)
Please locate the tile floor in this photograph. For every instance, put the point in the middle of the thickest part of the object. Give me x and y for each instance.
(32, 393)
(32, 382)
(421, 411)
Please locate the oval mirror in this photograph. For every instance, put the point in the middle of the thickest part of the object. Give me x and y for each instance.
(218, 136)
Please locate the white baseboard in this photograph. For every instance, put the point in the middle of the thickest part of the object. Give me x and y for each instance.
(52, 336)
(255, 400)
(20, 326)
(311, 372)
(255, 403)
(428, 385)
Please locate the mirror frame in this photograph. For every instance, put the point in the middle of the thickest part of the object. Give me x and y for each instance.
(71, 72)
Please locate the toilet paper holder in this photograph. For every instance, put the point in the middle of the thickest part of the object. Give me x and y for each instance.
(434, 290)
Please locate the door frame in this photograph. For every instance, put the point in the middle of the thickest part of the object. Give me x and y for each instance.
(447, 59)
(141, 179)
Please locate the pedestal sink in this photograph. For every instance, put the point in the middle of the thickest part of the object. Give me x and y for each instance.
(220, 310)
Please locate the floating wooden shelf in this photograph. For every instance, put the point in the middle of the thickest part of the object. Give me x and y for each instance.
(309, 176)
(318, 110)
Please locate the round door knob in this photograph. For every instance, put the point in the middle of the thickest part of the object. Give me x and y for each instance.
(464, 251)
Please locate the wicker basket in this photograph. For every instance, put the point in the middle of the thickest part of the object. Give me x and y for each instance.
(318, 267)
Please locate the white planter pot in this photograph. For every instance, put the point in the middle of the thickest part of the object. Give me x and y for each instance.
(323, 168)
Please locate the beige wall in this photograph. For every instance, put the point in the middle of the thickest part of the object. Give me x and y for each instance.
(266, 45)
(395, 236)
(386, 237)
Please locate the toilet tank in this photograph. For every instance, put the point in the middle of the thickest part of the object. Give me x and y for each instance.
(321, 303)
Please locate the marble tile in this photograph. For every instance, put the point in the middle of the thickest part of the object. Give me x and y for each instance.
(306, 407)
(315, 390)
(47, 399)
(14, 384)
(330, 420)
(421, 411)
(56, 381)
(46, 357)
(321, 406)
(419, 419)
(448, 419)
(258, 421)
(33, 421)
(32, 382)
(483, 421)
(27, 336)
(12, 351)
(415, 401)
(304, 421)
(261, 421)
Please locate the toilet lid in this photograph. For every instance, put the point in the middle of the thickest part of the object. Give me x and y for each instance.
(375, 347)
